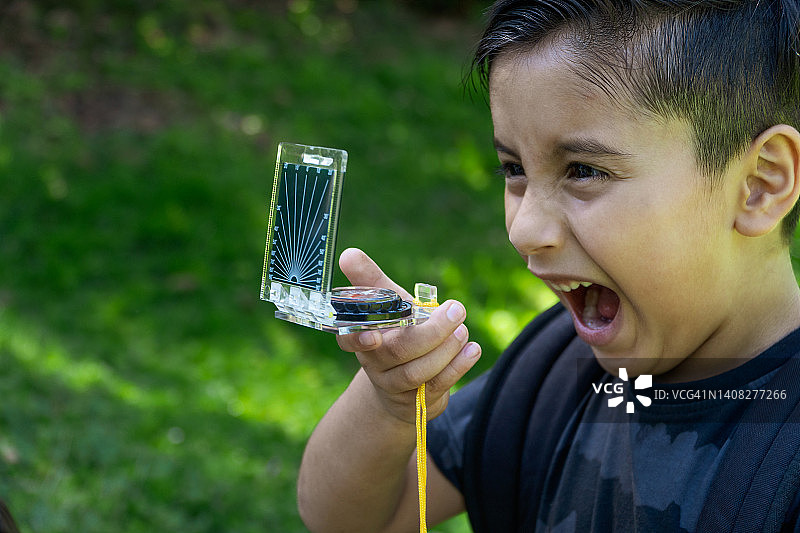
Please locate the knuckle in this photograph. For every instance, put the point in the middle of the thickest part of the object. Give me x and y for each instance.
(411, 376)
(442, 331)
(443, 326)
(441, 380)
(452, 372)
(399, 349)
(390, 384)
(444, 379)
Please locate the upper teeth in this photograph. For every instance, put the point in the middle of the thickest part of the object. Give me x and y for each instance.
(570, 285)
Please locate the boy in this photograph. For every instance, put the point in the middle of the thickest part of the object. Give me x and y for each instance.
(652, 168)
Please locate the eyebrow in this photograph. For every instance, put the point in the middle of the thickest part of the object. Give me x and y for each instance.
(575, 146)
(500, 147)
(590, 147)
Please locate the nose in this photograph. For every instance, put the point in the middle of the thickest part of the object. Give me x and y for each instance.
(534, 222)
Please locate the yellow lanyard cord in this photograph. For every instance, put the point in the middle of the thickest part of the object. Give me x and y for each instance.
(422, 452)
(424, 297)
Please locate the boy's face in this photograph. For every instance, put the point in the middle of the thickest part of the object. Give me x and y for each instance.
(603, 196)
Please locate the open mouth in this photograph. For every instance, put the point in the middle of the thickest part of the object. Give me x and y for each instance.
(595, 306)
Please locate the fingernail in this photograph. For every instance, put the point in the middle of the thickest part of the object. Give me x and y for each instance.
(368, 338)
(472, 350)
(456, 312)
(461, 332)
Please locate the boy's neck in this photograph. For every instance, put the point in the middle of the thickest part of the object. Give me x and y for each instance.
(766, 310)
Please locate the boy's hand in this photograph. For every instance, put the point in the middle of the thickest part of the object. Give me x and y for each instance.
(398, 361)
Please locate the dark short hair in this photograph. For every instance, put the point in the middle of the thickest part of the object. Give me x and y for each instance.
(731, 68)
(7, 524)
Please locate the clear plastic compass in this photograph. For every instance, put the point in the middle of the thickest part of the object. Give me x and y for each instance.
(300, 249)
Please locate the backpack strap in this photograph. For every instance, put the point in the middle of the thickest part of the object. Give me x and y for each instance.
(758, 477)
(542, 361)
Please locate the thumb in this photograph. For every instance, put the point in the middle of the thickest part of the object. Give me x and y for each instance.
(363, 271)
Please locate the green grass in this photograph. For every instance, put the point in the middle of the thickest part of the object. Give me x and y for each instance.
(145, 387)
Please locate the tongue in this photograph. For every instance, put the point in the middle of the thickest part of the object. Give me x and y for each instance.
(607, 303)
(600, 306)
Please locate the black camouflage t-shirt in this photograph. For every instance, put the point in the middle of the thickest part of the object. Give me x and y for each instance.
(617, 471)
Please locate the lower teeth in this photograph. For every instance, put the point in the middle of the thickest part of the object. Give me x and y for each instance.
(591, 316)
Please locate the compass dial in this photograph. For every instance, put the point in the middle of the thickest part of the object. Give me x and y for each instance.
(301, 226)
(368, 304)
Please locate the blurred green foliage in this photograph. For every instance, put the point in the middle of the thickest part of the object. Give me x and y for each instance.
(145, 387)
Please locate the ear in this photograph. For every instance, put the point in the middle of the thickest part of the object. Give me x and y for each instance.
(771, 183)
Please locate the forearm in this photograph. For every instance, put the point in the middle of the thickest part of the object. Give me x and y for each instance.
(354, 466)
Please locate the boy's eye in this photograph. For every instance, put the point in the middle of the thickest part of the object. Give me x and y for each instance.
(509, 170)
(581, 172)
